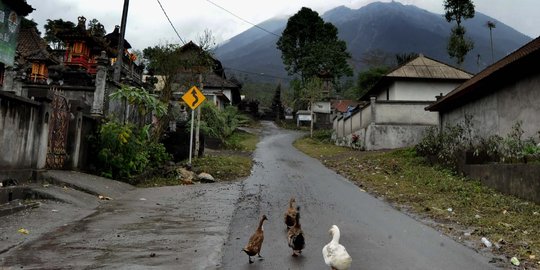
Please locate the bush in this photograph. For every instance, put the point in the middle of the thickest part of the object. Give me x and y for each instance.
(125, 151)
(323, 135)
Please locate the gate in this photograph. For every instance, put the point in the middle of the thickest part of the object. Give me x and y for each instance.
(58, 129)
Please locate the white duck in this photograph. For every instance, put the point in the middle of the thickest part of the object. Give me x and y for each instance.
(335, 255)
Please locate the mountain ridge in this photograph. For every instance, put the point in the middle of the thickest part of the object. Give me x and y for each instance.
(390, 28)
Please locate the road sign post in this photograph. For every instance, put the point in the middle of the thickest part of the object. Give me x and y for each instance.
(193, 98)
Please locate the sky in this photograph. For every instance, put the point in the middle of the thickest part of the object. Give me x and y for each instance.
(147, 24)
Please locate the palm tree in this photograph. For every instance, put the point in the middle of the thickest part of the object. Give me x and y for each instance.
(491, 25)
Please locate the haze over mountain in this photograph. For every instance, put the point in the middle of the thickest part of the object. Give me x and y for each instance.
(390, 28)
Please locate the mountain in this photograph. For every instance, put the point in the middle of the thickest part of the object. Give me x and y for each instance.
(388, 28)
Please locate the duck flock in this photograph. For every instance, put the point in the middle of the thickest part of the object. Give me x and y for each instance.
(334, 254)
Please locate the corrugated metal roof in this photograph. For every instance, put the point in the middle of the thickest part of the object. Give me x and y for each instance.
(426, 68)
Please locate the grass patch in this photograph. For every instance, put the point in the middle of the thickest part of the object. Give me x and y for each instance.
(224, 168)
(242, 141)
(159, 182)
(457, 204)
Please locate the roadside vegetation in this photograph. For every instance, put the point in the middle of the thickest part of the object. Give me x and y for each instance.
(461, 208)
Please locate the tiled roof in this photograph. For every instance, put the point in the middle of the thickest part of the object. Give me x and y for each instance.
(419, 68)
(32, 47)
(496, 72)
(427, 68)
(343, 105)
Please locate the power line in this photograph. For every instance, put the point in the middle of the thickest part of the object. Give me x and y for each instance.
(257, 74)
(164, 12)
(269, 32)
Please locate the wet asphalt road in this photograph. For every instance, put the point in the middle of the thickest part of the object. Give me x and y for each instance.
(179, 227)
(376, 236)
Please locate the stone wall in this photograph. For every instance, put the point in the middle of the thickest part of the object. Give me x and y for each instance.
(23, 132)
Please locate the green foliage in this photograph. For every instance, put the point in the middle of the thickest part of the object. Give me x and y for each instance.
(142, 99)
(459, 45)
(277, 106)
(402, 58)
(26, 23)
(55, 27)
(125, 151)
(96, 28)
(310, 47)
(367, 79)
(447, 147)
(323, 135)
(220, 124)
(458, 10)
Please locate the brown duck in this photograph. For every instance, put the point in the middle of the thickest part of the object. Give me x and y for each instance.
(253, 247)
(296, 236)
(290, 215)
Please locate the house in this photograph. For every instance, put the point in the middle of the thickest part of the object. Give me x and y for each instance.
(216, 87)
(502, 94)
(393, 115)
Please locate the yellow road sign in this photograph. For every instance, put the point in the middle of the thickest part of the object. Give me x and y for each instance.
(193, 98)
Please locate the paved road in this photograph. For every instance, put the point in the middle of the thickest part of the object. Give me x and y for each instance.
(377, 236)
(181, 227)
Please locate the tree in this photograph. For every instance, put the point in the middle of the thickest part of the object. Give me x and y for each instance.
(168, 61)
(96, 28)
(458, 44)
(277, 106)
(310, 47)
(491, 25)
(26, 23)
(312, 92)
(367, 79)
(52, 28)
(402, 58)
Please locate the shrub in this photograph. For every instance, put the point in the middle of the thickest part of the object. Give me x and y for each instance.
(125, 151)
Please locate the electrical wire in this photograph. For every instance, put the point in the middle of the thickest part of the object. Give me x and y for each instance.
(164, 12)
(244, 20)
(257, 74)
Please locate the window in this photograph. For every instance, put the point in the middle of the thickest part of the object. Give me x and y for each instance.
(39, 72)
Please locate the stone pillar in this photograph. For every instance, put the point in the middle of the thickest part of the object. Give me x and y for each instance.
(373, 99)
(9, 80)
(101, 82)
(43, 141)
(77, 143)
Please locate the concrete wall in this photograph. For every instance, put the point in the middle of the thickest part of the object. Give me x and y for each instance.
(394, 112)
(421, 91)
(387, 124)
(379, 136)
(23, 132)
(497, 113)
(521, 180)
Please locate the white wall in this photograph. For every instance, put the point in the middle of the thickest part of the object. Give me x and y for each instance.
(405, 113)
(417, 91)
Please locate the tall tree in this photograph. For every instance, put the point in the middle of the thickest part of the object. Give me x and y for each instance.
(311, 92)
(458, 44)
(277, 106)
(52, 28)
(491, 25)
(310, 47)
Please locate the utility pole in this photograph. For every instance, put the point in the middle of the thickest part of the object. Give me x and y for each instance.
(118, 64)
(197, 141)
